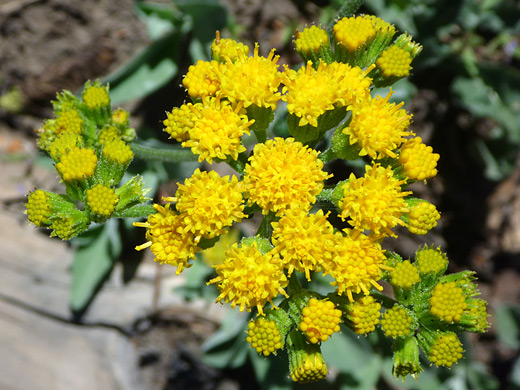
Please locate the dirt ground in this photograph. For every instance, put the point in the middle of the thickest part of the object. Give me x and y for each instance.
(50, 45)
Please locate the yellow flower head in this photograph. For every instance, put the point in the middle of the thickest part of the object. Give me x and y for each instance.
(208, 203)
(264, 336)
(374, 202)
(351, 83)
(202, 79)
(283, 174)
(226, 49)
(120, 117)
(77, 164)
(396, 322)
(357, 265)
(364, 314)
(394, 62)
(478, 314)
(102, 200)
(118, 151)
(180, 120)
(304, 241)
(381, 25)
(320, 319)
(251, 80)
(378, 127)
(217, 131)
(108, 133)
(309, 92)
(66, 227)
(62, 144)
(405, 275)
(167, 238)
(352, 33)
(418, 160)
(96, 96)
(68, 121)
(248, 279)
(448, 302)
(422, 217)
(446, 350)
(430, 260)
(38, 208)
(311, 39)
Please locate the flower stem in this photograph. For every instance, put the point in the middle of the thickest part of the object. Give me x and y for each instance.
(164, 154)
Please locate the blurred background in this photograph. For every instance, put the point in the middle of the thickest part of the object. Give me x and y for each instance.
(94, 312)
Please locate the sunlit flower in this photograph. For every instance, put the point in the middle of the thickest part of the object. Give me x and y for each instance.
(283, 174)
(374, 202)
(304, 241)
(364, 314)
(167, 238)
(378, 127)
(429, 260)
(217, 130)
(445, 350)
(394, 62)
(38, 208)
(352, 33)
(118, 151)
(96, 96)
(418, 160)
(264, 336)
(311, 39)
(202, 80)
(226, 49)
(102, 200)
(320, 319)
(448, 302)
(396, 322)
(208, 203)
(405, 275)
(180, 120)
(249, 279)
(77, 164)
(422, 217)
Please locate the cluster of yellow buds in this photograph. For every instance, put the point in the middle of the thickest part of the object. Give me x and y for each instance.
(332, 114)
(89, 144)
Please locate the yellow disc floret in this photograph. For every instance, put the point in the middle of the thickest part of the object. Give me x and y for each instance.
(309, 92)
(357, 265)
(374, 202)
(248, 279)
(96, 96)
(405, 275)
(283, 174)
(202, 79)
(446, 350)
(304, 241)
(226, 49)
(448, 302)
(264, 336)
(208, 203)
(396, 322)
(418, 160)
(320, 319)
(167, 238)
(38, 208)
(77, 164)
(68, 121)
(394, 62)
(217, 131)
(351, 82)
(179, 121)
(62, 144)
(352, 33)
(430, 260)
(102, 200)
(108, 133)
(311, 39)
(378, 127)
(364, 314)
(251, 80)
(422, 217)
(118, 151)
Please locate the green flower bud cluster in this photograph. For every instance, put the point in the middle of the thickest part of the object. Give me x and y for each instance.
(89, 144)
(430, 309)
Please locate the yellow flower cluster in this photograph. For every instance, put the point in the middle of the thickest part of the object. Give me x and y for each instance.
(405, 275)
(418, 160)
(77, 164)
(118, 151)
(422, 217)
(38, 208)
(264, 336)
(354, 32)
(396, 322)
(448, 302)
(69, 121)
(320, 319)
(308, 368)
(102, 200)
(446, 350)
(394, 61)
(311, 39)
(364, 314)
(96, 97)
(430, 260)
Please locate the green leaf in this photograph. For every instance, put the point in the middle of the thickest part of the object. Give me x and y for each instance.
(148, 71)
(92, 264)
(507, 318)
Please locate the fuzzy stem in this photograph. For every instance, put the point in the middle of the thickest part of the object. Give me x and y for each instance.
(166, 154)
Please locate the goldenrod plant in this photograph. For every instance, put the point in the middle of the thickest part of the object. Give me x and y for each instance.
(333, 112)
